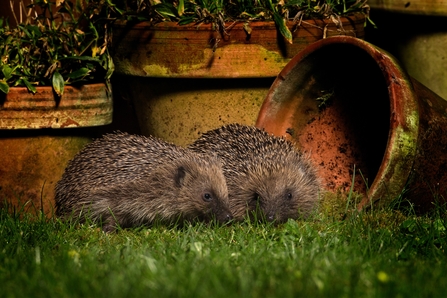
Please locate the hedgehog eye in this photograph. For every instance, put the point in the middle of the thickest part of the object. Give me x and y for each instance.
(289, 196)
(207, 197)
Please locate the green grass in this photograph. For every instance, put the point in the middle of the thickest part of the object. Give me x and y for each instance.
(377, 254)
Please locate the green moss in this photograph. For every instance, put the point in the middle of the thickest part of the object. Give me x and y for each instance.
(156, 70)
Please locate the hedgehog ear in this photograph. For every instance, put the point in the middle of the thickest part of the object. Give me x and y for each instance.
(179, 176)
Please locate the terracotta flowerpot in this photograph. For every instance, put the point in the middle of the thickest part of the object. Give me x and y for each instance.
(185, 80)
(83, 106)
(415, 32)
(350, 105)
(34, 155)
(421, 7)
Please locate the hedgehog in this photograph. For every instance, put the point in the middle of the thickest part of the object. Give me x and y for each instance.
(267, 177)
(131, 180)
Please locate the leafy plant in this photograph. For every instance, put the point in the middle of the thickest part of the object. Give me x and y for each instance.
(58, 43)
(219, 11)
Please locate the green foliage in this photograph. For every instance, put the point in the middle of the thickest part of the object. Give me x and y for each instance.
(66, 42)
(58, 43)
(218, 11)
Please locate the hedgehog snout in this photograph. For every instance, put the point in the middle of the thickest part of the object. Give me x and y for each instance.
(228, 217)
(225, 217)
(271, 217)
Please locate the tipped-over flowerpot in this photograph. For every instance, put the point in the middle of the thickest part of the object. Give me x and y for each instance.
(350, 106)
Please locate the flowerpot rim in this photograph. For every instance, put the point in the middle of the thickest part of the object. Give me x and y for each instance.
(170, 25)
(81, 105)
(48, 87)
(148, 50)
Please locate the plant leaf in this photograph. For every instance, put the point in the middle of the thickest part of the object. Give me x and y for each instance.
(282, 27)
(58, 83)
(166, 10)
(83, 58)
(4, 86)
(8, 71)
(186, 20)
(110, 67)
(28, 85)
(181, 7)
(82, 72)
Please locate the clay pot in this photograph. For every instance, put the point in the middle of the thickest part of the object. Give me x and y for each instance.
(185, 80)
(82, 106)
(415, 32)
(34, 155)
(350, 106)
(421, 7)
(170, 50)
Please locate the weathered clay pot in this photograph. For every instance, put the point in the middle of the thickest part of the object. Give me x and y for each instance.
(82, 106)
(33, 154)
(185, 80)
(350, 106)
(421, 7)
(415, 32)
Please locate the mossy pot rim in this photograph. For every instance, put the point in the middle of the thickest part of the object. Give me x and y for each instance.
(81, 105)
(138, 47)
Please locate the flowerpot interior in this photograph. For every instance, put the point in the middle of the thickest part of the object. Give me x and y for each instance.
(350, 107)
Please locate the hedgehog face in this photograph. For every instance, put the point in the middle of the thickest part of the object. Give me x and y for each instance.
(289, 193)
(204, 193)
(274, 194)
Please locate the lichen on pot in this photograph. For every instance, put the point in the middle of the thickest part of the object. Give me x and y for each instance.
(169, 50)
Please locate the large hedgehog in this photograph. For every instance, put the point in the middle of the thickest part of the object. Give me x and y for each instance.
(132, 180)
(262, 171)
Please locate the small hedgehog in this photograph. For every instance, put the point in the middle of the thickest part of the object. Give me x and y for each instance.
(262, 171)
(131, 180)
